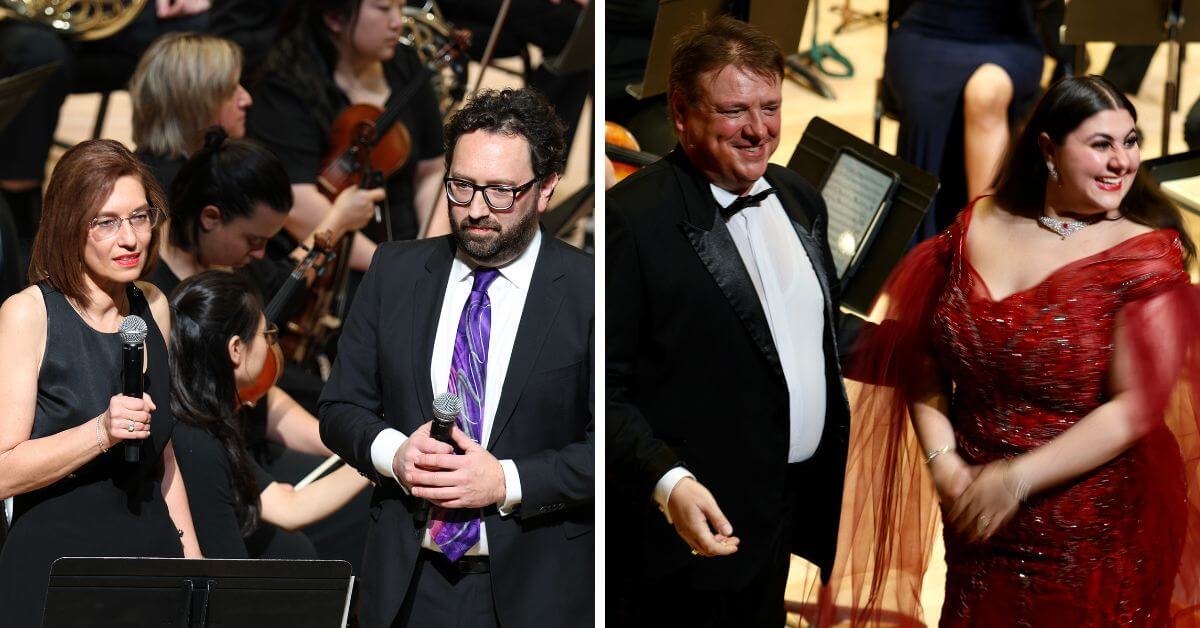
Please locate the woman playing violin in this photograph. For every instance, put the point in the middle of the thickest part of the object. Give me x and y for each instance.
(227, 201)
(220, 345)
(331, 54)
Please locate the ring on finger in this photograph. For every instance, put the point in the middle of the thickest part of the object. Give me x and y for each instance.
(132, 426)
(983, 522)
(695, 552)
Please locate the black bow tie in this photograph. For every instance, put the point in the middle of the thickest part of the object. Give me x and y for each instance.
(742, 202)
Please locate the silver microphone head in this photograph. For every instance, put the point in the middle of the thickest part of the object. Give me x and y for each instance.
(133, 329)
(446, 406)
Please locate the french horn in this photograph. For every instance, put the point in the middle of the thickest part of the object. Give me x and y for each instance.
(83, 20)
(426, 31)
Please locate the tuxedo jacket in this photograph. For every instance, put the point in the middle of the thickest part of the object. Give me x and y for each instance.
(542, 555)
(693, 378)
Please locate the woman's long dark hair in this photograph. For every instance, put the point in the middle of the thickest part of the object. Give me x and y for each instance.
(1020, 185)
(305, 53)
(234, 176)
(207, 309)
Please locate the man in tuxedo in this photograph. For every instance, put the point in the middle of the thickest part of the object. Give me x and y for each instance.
(502, 315)
(725, 408)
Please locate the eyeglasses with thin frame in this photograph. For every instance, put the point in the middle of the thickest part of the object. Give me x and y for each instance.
(499, 197)
(142, 220)
(271, 333)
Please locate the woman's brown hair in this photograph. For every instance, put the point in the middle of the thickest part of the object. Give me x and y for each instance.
(80, 185)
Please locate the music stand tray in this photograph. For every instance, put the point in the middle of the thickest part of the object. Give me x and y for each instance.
(1183, 168)
(580, 52)
(783, 21)
(1147, 22)
(183, 593)
(17, 89)
(673, 17)
(895, 218)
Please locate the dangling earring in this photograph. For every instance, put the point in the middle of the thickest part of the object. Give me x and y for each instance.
(1053, 171)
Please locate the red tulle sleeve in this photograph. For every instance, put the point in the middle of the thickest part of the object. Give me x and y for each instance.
(889, 514)
(1160, 335)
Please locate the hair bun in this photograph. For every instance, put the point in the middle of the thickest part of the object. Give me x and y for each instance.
(214, 137)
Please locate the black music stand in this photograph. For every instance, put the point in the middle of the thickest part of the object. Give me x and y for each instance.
(821, 144)
(1141, 23)
(580, 52)
(782, 21)
(673, 17)
(559, 220)
(1174, 167)
(17, 89)
(181, 593)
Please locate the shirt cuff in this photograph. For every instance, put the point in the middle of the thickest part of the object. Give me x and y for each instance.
(512, 488)
(383, 452)
(666, 484)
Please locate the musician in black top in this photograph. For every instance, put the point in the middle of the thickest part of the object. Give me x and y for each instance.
(227, 201)
(331, 54)
(228, 491)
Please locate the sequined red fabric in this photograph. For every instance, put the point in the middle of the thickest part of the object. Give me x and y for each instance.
(1119, 546)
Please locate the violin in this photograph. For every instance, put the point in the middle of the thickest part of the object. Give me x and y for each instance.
(364, 134)
(273, 366)
(368, 145)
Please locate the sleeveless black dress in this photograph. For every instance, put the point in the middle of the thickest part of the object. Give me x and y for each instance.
(107, 507)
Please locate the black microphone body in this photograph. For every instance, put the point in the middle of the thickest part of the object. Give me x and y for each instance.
(441, 428)
(132, 385)
(445, 410)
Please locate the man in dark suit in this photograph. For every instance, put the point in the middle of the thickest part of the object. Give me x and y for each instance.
(725, 400)
(501, 315)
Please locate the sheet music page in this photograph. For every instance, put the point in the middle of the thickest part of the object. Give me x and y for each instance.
(853, 193)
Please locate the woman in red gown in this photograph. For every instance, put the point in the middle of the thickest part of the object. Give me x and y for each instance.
(1038, 358)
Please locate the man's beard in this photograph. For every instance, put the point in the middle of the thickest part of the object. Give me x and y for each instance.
(504, 248)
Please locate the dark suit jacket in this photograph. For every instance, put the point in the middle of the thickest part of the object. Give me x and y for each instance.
(542, 555)
(693, 377)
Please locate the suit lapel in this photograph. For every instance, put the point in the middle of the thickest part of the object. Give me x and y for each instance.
(714, 245)
(545, 297)
(428, 293)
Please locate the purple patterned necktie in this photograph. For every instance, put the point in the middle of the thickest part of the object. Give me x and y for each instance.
(457, 530)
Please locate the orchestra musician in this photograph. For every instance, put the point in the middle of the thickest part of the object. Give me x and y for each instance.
(185, 84)
(226, 202)
(228, 491)
(331, 54)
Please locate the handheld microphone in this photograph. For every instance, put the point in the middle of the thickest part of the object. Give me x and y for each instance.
(133, 348)
(446, 407)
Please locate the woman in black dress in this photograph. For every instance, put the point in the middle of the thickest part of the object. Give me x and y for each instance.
(63, 416)
(220, 343)
(961, 72)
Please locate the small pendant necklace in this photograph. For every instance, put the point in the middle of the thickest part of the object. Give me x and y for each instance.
(1063, 226)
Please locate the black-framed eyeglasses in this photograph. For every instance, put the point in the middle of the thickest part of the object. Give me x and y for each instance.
(142, 220)
(497, 196)
(271, 333)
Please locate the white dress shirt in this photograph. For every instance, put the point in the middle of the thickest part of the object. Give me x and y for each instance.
(792, 300)
(507, 295)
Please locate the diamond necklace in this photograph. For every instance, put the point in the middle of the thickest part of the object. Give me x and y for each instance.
(1063, 226)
